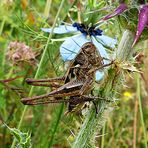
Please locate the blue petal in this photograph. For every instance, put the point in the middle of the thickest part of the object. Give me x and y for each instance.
(101, 49)
(71, 46)
(105, 40)
(62, 29)
(99, 75)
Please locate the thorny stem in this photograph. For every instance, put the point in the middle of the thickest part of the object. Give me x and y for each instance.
(39, 67)
(140, 109)
(93, 123)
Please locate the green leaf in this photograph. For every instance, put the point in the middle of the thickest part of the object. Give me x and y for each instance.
(23, 139)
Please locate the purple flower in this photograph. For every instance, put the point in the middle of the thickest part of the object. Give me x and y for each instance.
(142, 18)
(142, 22)
(120, 9)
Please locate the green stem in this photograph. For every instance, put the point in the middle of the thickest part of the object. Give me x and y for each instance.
(56, 125)
(10, 72)
(140, 109)
(102, 139)
(93, 123)
(39, 67)
(2, 26)
(47, 8)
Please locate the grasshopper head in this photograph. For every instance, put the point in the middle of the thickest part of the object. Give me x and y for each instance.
(88, 48)
(93, 56)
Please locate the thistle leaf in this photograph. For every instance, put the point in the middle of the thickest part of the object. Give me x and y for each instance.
(23, 139)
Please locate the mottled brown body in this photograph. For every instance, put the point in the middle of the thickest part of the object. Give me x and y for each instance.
(77, 82)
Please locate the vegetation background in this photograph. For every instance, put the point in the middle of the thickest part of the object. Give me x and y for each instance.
(46, 125)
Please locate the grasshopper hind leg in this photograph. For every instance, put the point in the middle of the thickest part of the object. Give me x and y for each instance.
(51, 82)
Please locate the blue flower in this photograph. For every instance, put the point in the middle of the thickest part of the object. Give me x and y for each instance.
(71, 46)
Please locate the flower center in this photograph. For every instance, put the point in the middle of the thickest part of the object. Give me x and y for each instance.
(91, 31)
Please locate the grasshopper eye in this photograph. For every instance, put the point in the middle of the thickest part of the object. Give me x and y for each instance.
(86, 47)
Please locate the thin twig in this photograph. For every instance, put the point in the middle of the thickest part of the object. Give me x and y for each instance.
(140, 109)
(135, 123)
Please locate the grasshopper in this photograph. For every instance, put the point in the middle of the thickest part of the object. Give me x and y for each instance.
(77, 82)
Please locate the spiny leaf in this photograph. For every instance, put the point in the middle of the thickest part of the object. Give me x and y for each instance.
(24, 139)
